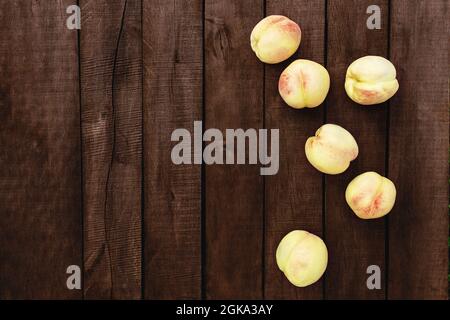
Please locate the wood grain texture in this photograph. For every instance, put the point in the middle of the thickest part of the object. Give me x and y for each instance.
(111, 89)
(85, 151)
(293, 196)
(172, 99)
(40, 173)
(418, 156)
(354, 244)
(234, 193)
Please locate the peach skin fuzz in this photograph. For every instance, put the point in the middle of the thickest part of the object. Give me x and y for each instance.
(304, 84)
(370, 195)
(332, 149)
(275, 38)
(371, 80)
(302, 257)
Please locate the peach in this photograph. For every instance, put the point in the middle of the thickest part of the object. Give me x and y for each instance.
(332, 149)
(371, 80)
(302, 257)
(304, 83)
(370, 195)
(275, 38)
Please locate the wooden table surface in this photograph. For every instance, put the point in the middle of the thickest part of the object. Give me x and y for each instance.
(85, 171)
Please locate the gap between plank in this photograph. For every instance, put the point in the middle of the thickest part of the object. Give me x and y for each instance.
(386, 163)
(142, 160)
(263, 247)
(324, 180)
(81, 157)
(203, 279)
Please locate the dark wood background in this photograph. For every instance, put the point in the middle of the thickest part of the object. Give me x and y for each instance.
(85, 170)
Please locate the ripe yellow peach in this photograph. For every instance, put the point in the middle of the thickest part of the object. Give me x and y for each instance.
(371, 80)
(304, 83)
(332, 149)
(370, 195)
(275, 38)
(302, 257)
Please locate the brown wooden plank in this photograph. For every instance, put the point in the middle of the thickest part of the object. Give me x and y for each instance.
(418, 156)
(172, 37)
(293, 196)
(111, 73)
(40, 172)
(234, 193)
(354, 244)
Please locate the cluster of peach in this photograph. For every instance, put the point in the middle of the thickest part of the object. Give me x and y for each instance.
(303, 256)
